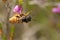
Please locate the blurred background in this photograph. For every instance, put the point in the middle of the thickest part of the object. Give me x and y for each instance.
(45, 25)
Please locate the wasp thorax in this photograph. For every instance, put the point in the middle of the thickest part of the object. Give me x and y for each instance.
(14, 19)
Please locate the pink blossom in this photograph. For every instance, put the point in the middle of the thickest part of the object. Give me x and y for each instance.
(55, 10)
(17, 8)
(58, 5)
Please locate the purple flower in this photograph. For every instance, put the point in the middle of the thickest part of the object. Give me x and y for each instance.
(58, 5)
(18, 9)
(56, 9)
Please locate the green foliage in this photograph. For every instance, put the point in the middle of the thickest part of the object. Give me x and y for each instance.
(58, 25)
(4, 37)
(20, 2)
(57, 0)
(12, 29)
(0, 26)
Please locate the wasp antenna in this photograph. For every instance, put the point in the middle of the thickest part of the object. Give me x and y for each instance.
(29, 12)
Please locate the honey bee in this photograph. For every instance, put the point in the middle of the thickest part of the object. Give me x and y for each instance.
(23, 17)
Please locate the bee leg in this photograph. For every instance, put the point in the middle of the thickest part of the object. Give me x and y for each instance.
(18, 21)
(21, 21)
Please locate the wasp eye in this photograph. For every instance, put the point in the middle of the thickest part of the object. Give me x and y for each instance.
(18, 16)
(21, 15)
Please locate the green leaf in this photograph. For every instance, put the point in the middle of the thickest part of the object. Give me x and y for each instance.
(0, 26)
(12, 29)
(4, 37)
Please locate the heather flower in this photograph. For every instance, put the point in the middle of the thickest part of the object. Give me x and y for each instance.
(56, 9)
(17, 9)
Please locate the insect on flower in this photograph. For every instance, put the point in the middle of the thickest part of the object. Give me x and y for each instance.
(20, 18)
